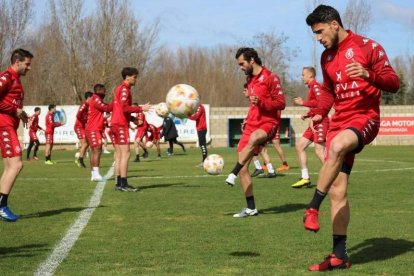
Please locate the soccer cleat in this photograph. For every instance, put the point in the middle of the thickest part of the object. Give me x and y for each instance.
(118, 187)
(331, 262)
(200, 165)
(7, 215)
(82, 164)
(77, 162)
(283, 168)
(49, 162)
(246, 212)
(145, 155)
(97, 178)
(271, 175)
(231, 179)
(36, 158)
(128, 188)
(28, 159)
(106, 151)
(301, 183)
(310, 220)
(257, 172)
(136, 159)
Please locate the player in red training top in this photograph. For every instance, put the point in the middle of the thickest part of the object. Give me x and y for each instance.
(201, 126)
(355, 70)
(80, 123)
(95, 127)
(154, 135)
(33, 125)
(121, 116)
(315, 133)
(266, 98)
(142, 126)
(49, 133)
(11, 112)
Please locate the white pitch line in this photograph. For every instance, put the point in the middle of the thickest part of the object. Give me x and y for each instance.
(49, 266)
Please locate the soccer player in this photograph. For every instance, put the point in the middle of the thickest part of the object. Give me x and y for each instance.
(105, 135)
(315, 133)
(80, 123)
(11, 112)
(266, 97)
(279, 150)
(355, 70)
(95, 126)
(170, 133)
(34, 140)
(201, 126)
(121, 116)
(142, 126)
(49, 133)
(154, 135)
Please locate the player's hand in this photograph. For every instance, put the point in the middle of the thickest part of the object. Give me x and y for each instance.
(22, 115)
(254, 99)
(317, 118)
(245, 93)
(146, 107)
(311, 124)
(304, 116)
(355, 70)
(298, 100)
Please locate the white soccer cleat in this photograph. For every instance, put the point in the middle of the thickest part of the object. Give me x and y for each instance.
(231, 179)
(246, 212)
(97, 178)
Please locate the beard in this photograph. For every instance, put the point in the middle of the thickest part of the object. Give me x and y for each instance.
(102, 96)
(249, 71)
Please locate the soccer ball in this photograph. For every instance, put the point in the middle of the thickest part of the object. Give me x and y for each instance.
(149, 144)
(182, 100)
(60, 117)
(162, 110)
(213, 164)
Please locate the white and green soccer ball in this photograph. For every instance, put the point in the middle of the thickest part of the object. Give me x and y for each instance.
(162, 110)
(182, 100)
(214, 164)
(149, 144)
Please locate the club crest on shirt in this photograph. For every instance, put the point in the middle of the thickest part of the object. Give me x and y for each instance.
(349, 53)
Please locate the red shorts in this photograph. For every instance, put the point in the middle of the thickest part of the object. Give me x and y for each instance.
(366, 130)
(80, 132)
(94, 138)
(9, 143)
(319, 136)
(33, 135)
(269, 128)
(120, 135)
(49, 138)
(141, 133)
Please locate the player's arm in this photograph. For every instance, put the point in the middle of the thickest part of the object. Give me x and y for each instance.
(379, 72)
(276, 100)
(197, 114)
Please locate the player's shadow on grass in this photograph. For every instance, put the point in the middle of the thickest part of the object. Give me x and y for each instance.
(23, 251)
(169, 185)
(379, 249)
(244, 254)
(286, 208)
(55, 212)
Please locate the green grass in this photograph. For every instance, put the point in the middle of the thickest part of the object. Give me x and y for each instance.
(181, 220)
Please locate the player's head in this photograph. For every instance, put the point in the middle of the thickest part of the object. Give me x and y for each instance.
(308, 74)
(100, 90)
(37, 110)
(247, 58)
(88, 94)
(21, 61)
(325, 22)
(51, 107)
(130, 75)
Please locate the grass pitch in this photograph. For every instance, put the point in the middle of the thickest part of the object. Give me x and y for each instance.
(181, 221)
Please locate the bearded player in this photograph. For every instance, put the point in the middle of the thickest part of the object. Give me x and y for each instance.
(355, 70)
(11, 112)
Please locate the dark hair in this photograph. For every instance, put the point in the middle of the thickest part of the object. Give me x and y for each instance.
(129, 71)
(37, 108)
(249, 54)
(51, 106)
(245, 85)
(98, 87)
(323, 14)
(88, 94)
(20, 55)
(310, 69)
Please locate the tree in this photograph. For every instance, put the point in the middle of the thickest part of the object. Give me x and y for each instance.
(357, 16)
(14, 18)
(310, 6)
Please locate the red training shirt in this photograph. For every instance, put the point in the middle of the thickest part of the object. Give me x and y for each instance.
(82, 115)
(122, 109)
(200, 118)
(50, 123)
(96, 111)
(11, 98)
(355, 97)
(34, 123)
